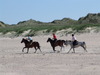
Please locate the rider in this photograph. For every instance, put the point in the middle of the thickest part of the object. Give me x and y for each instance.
(54, 37)
(29, 38)
(74, 40)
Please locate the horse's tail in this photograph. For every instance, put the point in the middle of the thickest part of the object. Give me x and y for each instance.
(64, 42)
(84, 45)
(38, 45)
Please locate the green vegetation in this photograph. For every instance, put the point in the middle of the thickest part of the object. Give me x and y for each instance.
(20, 29)
(91, 20)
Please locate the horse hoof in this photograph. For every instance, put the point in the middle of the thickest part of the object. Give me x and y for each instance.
(58, 51)
(73, 52)
(43, 54)
(54, 50)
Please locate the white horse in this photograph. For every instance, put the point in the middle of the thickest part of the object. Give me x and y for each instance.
(82, 44)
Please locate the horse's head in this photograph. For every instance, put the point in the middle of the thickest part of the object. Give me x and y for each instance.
(70, 41)
(22, 40)
(67, 42)
(49, 39)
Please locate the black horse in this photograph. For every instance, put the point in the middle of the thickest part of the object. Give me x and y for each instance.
(56, 43)
(28, 45)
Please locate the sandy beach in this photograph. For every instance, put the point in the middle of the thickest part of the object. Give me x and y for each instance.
(15, 62)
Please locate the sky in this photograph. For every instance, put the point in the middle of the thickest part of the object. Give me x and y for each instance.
(14, 11)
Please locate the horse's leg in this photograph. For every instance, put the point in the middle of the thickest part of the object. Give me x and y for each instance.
(73, 50)
(27, 50)
(35, 49)
(61, 48)
(54, 49)
(84, 48)
(23, 49)
(69, 50)
(40, 50)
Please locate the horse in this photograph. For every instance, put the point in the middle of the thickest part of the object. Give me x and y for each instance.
(56, 43)
(82, 44)
(28, 45)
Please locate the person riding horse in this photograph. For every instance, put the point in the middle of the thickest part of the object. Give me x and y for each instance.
(34, 44)
(54, 37)
(29, 38)
(74, 40)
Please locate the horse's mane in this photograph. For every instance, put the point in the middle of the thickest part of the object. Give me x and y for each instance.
(50, 39)
(26, 40)
(69, 40)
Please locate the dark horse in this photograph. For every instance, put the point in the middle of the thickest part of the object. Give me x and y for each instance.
(28, 45)
(56, 43)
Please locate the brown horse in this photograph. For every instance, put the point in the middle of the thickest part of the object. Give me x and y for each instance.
(56, 43)
(28, 45)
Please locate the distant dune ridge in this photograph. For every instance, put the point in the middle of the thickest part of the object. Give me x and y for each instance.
(2, 24)
(91, 20)
(88, 19)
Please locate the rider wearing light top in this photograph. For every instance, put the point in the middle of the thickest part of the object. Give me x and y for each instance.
(29, 38)
(74, 40)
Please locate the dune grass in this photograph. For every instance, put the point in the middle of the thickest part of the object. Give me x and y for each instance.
(48, 28)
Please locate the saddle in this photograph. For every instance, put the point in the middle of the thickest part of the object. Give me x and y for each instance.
(30, 42)
(55, 40)
(75, 43)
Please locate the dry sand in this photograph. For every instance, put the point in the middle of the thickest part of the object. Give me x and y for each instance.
(15, 62)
